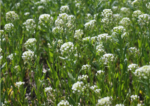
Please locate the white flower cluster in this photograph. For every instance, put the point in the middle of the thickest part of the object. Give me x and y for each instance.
(132, 67)
(63, 103)
(28, 56)
(11, 16)
(27, 13)
(90, 25)
(48, 89)
(119, 29)
(99, 72)
(103, 37)
(143, 72)
(116, 17)
(95, 89)
(106, 101)
(9, 27)
(30, 43)
(125, 10)
(83, 77)
(134, 97)
(88, 17)
(29, 24)
(86, 67)
(64, 9)
(86, 39)
(107, 58)
(133, 51)
(143, 19)
(18, 84)
(107, 13)
(99, 49)
(58, 30)
(11, 56)
(136, 13)
(45, 19)
(78, 87)
(78, 34)
(125, 22)
(67, 47)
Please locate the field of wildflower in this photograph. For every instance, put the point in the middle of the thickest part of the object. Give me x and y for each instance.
(75, 52)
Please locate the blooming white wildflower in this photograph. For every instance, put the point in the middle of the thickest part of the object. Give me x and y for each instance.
(114, 8)
(132, 66)
(107, 58)
(71, 18)
(103, 36)
(95, 89)
(11, 16)
(78, 34)
(125, 22)
(133, 51)
(63, 103)
(125, 10)
(28, 56)
(9, 27)
(106, 22)
(104, 101)
(67, 47)
(119, 29)
(17, 67)
(59, 22)
(40, 8)
(99, 49)
(143, 19)
(90, 25)
(135, 2)
(78, 86)
(99, 72)
(107, 13)
(63, 16)
(18, 84)
(57, 29)
(48, 89)
(86, 39)
(96, 16)
(1, 57)
(139, 104)
(29, 24)
(30, 43)
(134, 97)
(83, 77)
(88, 17)
(143, 72)
(119, 105)
(27, 13)
(11, 56)
(116, 17)
(45, 18)
(64, 9)
(136, 13)
(86, 67)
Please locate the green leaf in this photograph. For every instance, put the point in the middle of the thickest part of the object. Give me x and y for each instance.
(71, 77)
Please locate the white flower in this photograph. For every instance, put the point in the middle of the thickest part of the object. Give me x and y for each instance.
(71, 18)
(18, 84)
(86, 67)
(90, 25)
(40, 7)
(125, 22)
(86, 39)
(1, 57)
(59, 22)
(95, 89)
(148, 5)
(116, 17)
(11, 16)
(63, 16)
(107, 58)
(27, 13)
(136, 13)
(107, 13)
(83, 77)
(28, 56)
(125, 10)
(134, 97)
(119, 29)
(133, 50)
(64, 9)
(63, 103)
(57, 29)
(67, 47)
(143, 19)
(30, 43)
(9, 27)
(11, 56)
(48, 89)
(132, 66)
(29, 24)
(45, 18)
(106, 101)
(78, 34)
(99, 72)
(103, 36)
(143, 72)
(78, 86)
